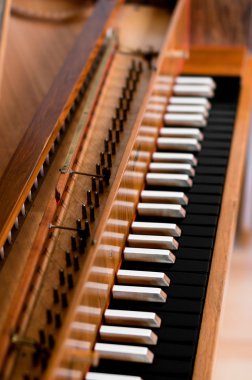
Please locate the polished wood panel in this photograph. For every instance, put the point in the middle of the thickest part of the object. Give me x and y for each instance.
(30, 154)
(220, 22)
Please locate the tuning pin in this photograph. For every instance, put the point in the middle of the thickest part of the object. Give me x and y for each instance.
(93, 183)
(51, 341)
(42, 337)
(82, 245)
(68, 259)
(139, 67)
(106, 174)
(89, 198)
(84, 211)
(57, 320)
(121, 121)
(102, 158)
(106, 145)
(35, 358)
(64, 302)
(117, 136)
(101, 190)
(87, 229)
(92, 214)
(113, 147)
(98, 169)
(73, 243)
(61, 277)
(70, 281)
(76, 264)
(49, 316)
(26, 376)
(117, 113)
(55, 296)
(113, 123)
(109, 159)
(110, 134)
(97, 202)
(57, 195)
(78, 226)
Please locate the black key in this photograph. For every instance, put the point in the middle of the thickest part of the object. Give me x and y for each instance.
(197, 242)
(212, 180)
(187, 292)
(206, 170)
(205, 189)
(190, 279)
(172, 350)
(179, 319)
(202, 209)
(206, 152)
(198, 231)
(185, 253)
(212, 161)
(176, 334)
(215, 145)
(205, 199)
(204, 220)
(185, 265)
(209, 136)
(219, 128)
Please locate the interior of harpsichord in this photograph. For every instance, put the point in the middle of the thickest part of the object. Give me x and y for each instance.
(76, 168)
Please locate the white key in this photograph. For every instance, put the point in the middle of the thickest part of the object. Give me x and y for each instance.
(163, 179)
(132, 318)
(157, 196)
(152, 241)
(177, 143)
(149, 255)
(153, 117)
(193, 90)
(137, 354)
(208, 81)
(153, 107)
(164, 167)
(137, 277)
(186, 119)
(161, 209)
(109, 376)
(139, 293)
(190, 100)
(67, 373)
(174, 157)
(128, 335)
(167, 229)
(176, 108)
(181, 132)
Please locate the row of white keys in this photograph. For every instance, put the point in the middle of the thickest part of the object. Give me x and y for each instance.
(152, 242)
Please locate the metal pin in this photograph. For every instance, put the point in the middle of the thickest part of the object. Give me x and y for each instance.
(164, 167)
(101, 190)
(107, 376)
(96, 202)
(93, 183)
(128, 335)
(89, 197)
(149, 255)
(98, 169)
(102, 158)
(190, 101)
(49, 317)
(84, 211)
(186, 119)
(36, 183)
(106, 145)
(23, 210)
(168, 180)
(181, 132)
(79, 227)
(87, 229)
(117, 136)
(149, 228)
(70, 281)
(91, 214)
(82, 245)
(76, 263)
(161, 209)
(110, 134)
(152, 241)
(113, 147)
(42, 172)
(113, 123)
(121, 121)
(57, 320)
(61, 277)
(55, 296)
(64, 301)
(42, 337)
(137, 277)
(124, 352)
(132, 318)
(109, 159)
(139, 293)
(68, 259)
(188, 158)
(16, 223)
